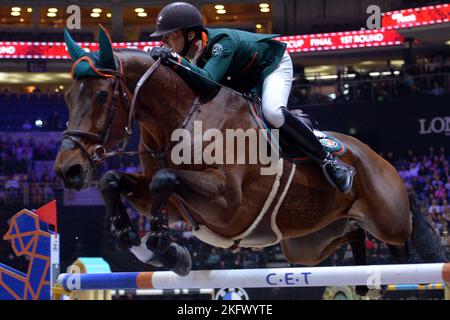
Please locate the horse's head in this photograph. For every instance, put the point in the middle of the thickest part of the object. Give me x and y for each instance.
(97, 101)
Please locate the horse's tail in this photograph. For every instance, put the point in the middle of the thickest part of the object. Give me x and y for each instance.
(426, 242)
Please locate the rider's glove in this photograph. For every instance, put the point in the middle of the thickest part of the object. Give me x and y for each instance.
(165, 54)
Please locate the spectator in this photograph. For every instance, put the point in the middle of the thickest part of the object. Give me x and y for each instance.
(27, 156)
(132, 168)
(36, 194)
(407, 84)
(437, 90)
(48, 192)
(445, 238)
(55, 122)
(26, 126)
(213, 259)
(447, 183)
(2, 194)
(32, 176)
(236, 264)
(414, 170)
(440, 193)
(434, 207)
(446, 208)
(12, 187)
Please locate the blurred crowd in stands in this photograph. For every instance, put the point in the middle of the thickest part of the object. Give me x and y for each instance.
(38, 110)
(26, 171)
(19, 179)
(46, 110)
(429, 77)
(429, 177)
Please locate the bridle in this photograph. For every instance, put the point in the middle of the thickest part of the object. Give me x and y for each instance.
(100, 153)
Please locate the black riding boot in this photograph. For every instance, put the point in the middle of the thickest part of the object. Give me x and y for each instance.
(299, 135)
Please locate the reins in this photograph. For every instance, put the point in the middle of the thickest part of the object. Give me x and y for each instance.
(100, 153)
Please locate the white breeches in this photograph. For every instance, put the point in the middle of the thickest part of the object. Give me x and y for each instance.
(275, 91)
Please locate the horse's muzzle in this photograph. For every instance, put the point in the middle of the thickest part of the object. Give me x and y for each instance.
(73, 177)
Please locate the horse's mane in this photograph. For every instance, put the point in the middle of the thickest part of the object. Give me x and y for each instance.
(132, 50)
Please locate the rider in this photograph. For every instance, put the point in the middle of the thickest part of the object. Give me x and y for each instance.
(245, 62)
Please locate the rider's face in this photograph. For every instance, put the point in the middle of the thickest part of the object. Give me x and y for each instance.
(174, 40)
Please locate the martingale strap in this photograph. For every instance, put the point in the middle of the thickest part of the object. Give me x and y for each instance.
(142, 80)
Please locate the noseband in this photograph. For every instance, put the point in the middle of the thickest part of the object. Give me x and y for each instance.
(100, 153)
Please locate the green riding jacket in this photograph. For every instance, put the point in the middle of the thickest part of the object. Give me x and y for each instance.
(238, 59)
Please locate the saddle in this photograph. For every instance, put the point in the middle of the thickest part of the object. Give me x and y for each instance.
(330, 143)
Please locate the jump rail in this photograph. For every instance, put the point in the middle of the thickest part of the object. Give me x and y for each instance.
(162, 292)
(414, 287)
(262, 278)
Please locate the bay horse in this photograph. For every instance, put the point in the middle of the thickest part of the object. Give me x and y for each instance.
(221, 201)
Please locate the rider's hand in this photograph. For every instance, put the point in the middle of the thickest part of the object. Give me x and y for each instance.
(164, 53)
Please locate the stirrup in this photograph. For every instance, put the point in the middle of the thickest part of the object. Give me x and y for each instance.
(334, 163)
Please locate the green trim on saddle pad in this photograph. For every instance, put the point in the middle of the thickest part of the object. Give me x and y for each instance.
(330, 144)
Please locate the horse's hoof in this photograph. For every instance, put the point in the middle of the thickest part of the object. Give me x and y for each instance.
(361, 290)
(145, 255)
(155, 262)
(158, 243)
(370, 294)
(375, 294)
(127, 238)
(177, 259)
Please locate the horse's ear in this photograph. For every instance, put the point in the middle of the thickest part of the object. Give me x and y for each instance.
(75, 51)
(105, 43)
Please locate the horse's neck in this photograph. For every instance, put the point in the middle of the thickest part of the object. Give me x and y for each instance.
(167, 99)
(164, 99)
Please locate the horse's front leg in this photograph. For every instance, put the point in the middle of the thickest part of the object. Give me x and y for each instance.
(173, 256)
(112, 185)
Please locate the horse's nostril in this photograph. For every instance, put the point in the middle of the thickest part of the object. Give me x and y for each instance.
(74, 172)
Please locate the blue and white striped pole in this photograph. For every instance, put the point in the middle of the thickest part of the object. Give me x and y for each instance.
(262, 278)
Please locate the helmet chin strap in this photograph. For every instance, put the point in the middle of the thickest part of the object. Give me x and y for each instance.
(187, 44)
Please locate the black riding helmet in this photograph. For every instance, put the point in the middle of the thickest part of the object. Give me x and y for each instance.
(177, 16)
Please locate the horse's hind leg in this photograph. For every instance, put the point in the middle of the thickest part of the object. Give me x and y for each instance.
(357, 241)
(358, 244)
(399, 254)
(314, 248)
(424, 239)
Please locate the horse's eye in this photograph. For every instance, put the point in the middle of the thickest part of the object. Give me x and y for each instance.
(101, 97)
